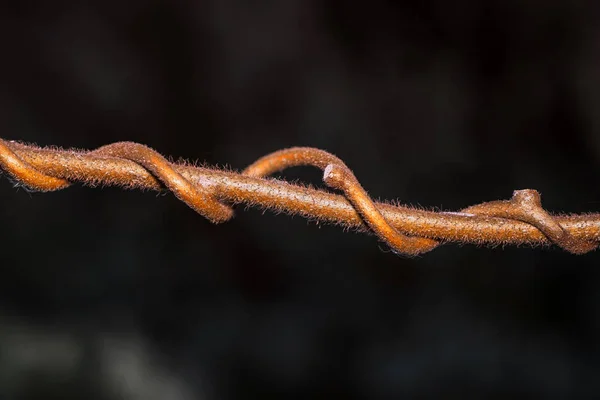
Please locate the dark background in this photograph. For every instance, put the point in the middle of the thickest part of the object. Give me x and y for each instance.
(109, 294)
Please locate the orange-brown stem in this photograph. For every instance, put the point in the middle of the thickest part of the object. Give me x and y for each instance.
(410, 231)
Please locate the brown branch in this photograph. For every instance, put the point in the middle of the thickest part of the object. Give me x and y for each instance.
(520, 220)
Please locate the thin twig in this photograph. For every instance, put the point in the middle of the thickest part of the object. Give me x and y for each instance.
(210, 192)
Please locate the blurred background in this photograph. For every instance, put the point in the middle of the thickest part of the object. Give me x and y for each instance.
(112, 294)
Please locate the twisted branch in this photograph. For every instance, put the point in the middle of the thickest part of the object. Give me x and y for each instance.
(212, 192)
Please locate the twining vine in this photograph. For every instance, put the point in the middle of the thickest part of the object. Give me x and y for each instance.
(212, 192)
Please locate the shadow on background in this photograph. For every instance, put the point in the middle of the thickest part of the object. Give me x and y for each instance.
(112, 294)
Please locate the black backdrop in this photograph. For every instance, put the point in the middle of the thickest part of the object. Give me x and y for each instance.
(109, 294)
